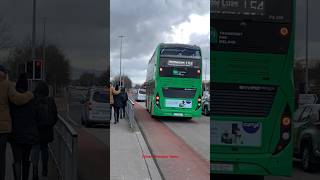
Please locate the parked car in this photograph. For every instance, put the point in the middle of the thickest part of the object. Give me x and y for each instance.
(306, 135)
(206, 103)
(96, 108)
(141, 95)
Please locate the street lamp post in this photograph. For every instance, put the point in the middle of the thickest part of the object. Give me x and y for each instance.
(33, 55)
(44, 50)
(120, 78)
(205, 72)
(307, 48)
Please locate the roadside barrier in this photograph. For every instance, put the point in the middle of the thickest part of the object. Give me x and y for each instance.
(64, 150)
(130, 112)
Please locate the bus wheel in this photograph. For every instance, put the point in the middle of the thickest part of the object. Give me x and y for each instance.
(306, 158)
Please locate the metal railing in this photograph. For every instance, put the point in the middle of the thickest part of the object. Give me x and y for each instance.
(130, 112)
(64, 150)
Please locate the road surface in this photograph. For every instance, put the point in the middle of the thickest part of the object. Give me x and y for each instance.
(93, 143)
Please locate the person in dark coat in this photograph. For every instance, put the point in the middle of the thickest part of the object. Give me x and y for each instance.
(47, 118)
(8, 94)
(24, 132)
(117, 104)
(124, 98)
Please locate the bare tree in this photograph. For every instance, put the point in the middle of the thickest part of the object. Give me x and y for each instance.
(5, 37)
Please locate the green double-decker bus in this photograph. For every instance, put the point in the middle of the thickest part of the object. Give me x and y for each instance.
(252, 96)
(174, 81)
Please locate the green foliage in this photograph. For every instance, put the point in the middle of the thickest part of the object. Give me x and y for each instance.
(57, 66)
(125, 79)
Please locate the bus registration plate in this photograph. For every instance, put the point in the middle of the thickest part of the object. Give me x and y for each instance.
(222, 167)
(178, 114)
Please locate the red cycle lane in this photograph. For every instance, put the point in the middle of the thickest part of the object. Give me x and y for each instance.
(175, 159)
(93, 157)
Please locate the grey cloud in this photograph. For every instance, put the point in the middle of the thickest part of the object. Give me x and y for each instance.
(145, 24)
(78, 27)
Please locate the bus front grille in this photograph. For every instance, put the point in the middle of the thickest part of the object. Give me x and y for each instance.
(241, 100)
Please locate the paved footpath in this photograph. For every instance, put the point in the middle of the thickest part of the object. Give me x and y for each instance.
(52, 170)
(127, 150)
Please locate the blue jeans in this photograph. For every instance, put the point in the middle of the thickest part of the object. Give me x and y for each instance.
(3, 148)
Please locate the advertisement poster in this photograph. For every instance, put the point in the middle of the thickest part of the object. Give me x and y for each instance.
(179, 103)
(234, 133)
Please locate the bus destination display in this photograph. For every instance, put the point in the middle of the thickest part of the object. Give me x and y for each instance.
(238, 7)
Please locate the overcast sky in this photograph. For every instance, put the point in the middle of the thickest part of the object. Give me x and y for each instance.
(146, 23)
(78, 27)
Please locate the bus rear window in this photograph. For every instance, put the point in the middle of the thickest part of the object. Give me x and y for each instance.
(179, 92)
(100, 97)
(180, 51)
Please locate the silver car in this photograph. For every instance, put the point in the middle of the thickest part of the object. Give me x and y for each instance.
(306, 136)
(141, 95)
(206, 103)
(96, 108)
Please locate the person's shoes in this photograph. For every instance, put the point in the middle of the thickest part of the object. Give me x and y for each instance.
(16, 171)
(35, 175)
(115, 122)
(25, 170)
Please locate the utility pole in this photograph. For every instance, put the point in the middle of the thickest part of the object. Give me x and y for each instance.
(205, 71)
(33, 43)
(120, 78)
(307, 48)
(44, 50)
(33, 55)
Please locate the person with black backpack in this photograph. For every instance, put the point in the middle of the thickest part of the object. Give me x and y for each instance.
(124, 99)
(117, 105)
(47, 118)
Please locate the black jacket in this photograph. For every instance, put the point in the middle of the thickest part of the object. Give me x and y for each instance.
(118, 102)
(46, 128)
(124, 98)
(24, 124)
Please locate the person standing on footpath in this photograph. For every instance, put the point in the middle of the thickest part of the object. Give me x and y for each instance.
(113, 92)
(117, 105)
(7, 94)
(124, 99)
(24, 132)
(47, 117)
